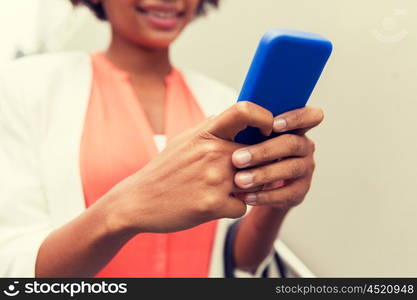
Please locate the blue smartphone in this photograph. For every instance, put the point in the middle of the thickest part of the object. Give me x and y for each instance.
(282, 76)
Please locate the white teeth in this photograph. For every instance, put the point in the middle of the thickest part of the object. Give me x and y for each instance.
(160, 14)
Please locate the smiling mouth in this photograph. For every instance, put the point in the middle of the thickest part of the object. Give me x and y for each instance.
(160, 14)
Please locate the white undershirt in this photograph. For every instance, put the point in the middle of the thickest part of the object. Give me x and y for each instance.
(160, 141)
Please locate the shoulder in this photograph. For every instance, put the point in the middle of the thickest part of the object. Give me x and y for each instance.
(36, 67)
(38, 77)
(49, 59)
(212, 95)
(34, 87)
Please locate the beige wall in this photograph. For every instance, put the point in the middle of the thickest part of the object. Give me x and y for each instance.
(360, 218)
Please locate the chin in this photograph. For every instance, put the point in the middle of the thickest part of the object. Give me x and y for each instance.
(158, 41)
(156, 44)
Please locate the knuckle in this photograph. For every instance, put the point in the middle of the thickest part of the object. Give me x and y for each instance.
(262, 154)
(295, 197)
(298, 168)
(264, 175)
(211, 147)
(293, 142)
(267, 115)
(298, 194)
(298, 115)
(238, 211)
(311, 146)
(294, 202)
(210, 150)
(205, 135)
(209, 205)
(243, 107)
(213, 177)
(307, 188)
(209, 157)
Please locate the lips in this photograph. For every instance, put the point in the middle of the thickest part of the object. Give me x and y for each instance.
(161, 17)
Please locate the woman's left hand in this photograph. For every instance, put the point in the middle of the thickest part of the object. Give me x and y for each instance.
(281, 168)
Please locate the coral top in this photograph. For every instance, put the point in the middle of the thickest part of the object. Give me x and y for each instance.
(117, 141)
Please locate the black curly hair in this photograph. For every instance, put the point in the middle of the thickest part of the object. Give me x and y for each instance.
(98, 9)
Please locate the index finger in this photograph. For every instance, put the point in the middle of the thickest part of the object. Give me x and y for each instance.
(301, 120)
(238, 117)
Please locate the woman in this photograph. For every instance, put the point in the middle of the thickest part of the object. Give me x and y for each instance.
(84, 190)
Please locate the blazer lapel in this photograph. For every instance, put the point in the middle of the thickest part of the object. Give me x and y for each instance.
(61, 148)
(213, 97)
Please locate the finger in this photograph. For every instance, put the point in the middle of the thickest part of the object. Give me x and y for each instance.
(289, 195)
(287, 145)
(267, 187)
(302, 120)
(274, 185)
(237, 189)
(239, 116)
(286, 169)
(232, 208)
(238, 192)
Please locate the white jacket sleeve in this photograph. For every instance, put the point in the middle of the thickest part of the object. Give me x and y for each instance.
(24, 220)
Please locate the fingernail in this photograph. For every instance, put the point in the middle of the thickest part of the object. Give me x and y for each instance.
(245, 178)
(243, 157)
(280, 124)
(250, 199)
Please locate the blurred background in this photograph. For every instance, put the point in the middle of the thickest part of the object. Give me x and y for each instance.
(360, 217)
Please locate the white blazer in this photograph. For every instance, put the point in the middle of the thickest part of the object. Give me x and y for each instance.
(43, 102)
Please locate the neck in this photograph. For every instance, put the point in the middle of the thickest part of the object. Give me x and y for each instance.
(138, 60)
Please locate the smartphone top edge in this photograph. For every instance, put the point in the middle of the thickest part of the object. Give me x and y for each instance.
(283, 33)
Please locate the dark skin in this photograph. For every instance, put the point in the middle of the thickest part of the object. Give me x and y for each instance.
(281, 169)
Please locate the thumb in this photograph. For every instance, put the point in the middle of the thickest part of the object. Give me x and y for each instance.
(238, 117)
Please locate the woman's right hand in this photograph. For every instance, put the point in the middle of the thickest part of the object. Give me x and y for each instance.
(191, 181)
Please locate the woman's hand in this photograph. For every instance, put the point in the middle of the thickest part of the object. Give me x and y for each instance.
(282, 166)
(191, 181)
